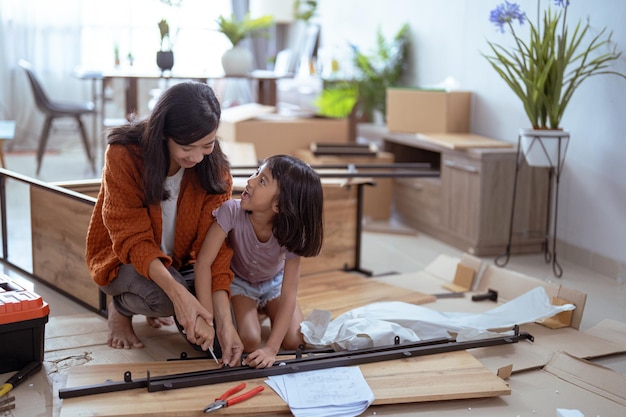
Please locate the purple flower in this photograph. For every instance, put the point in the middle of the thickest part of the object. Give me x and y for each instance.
(506, 13)
(562, 3)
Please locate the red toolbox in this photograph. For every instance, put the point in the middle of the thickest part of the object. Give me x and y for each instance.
(23, 318)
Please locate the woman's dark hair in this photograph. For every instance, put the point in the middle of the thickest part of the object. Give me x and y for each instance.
(186, 112)
(299, 224)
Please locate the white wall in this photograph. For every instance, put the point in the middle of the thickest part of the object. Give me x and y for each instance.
(448, 37)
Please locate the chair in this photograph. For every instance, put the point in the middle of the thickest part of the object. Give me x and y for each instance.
(7, 132)
(53, 109)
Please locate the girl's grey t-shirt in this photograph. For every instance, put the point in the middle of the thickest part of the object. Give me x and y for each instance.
(252, 260)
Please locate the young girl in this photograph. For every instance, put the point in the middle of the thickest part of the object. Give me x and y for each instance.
(277, 220)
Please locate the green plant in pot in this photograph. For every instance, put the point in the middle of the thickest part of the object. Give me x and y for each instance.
(304, 9)
(545, 70)
(238, 60)
(381, 69)
(337, 99)
(165, 56)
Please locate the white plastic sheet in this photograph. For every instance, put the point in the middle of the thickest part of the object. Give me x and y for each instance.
(377, 324)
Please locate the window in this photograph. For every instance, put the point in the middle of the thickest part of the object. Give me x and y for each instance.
(132, 26)
(66, 33)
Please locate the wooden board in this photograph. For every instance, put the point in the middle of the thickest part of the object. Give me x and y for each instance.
(59, 228)
(463, 140)
(446, 376)
(339, 292)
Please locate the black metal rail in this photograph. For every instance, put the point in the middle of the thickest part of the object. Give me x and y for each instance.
(394, 170)
(302, 364)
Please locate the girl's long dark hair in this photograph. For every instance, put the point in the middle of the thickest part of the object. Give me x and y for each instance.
(299, 224)
(185, 113)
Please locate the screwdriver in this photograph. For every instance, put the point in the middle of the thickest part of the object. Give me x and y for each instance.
(19, 377)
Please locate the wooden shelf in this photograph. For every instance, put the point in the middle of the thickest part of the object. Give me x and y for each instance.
(469, 205)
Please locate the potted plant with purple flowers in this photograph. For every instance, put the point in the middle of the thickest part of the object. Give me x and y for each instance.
(545, 71)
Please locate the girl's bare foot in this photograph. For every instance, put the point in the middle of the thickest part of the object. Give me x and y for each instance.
(157, 322)
(122, 335)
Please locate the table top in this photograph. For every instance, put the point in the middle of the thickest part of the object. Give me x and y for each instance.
(96, 74)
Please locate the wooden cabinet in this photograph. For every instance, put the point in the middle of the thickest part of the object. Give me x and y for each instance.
(469, 205)
(460, 186)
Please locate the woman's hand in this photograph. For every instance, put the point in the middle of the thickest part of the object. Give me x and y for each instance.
(187, 308)
(204, 333)
(188, 312)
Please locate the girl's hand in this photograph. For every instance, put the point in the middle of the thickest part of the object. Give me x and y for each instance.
(232, 347)
(261, 358)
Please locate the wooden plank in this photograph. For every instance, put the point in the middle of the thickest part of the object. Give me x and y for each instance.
(87, 187)
(454, 375)
(59, 229)
(339, 292)
(463, 140)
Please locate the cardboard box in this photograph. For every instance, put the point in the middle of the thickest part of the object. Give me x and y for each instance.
(273, 134)
(23, 316)
(413, 110)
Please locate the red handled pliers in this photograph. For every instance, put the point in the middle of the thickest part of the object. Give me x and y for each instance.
(223, 401)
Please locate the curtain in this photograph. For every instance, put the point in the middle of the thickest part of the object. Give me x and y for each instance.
(48, 38)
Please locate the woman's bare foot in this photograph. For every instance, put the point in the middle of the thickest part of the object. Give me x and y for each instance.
(157, 322)
(122, 335)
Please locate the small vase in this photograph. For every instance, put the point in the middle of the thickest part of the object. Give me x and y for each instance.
(237, 61)
(544, 148)
(165, 60)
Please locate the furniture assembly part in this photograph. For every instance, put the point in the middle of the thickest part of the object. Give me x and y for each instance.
(302, 364)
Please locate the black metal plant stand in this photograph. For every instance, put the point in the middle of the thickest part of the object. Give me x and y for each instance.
(554, 172)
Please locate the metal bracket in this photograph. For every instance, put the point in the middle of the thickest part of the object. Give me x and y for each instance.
(491, 295)
(301, 364)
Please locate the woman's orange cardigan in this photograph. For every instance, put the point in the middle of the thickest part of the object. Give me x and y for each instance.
(123, 230)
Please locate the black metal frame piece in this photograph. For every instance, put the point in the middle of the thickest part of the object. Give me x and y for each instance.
(300, 364)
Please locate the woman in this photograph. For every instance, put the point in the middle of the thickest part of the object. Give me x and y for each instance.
(162, 178)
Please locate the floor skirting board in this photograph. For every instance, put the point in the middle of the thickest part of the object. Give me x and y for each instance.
(611, 268)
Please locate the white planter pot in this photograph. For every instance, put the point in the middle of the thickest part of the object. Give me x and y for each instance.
(544, 148)
(237, 61)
